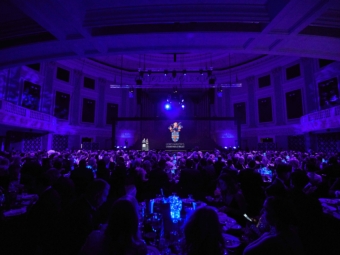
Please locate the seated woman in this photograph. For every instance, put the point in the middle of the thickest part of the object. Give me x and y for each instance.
(281, 240)
(121, 236)
(230, 198)
(203, 233)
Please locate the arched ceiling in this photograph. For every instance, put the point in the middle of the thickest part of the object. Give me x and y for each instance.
(168, 33)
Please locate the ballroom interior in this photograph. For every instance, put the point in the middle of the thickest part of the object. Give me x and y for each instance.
(257, 75)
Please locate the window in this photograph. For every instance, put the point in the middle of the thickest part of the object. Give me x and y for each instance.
(88, 113)
(294, 104)
(62, 104)
(89, 83)
(293, 72)
(35, 67)
(240, 112)
(111, 112)
(264, 81)
(325, 62)
(63, 75)
(31, 96)
(265, 109)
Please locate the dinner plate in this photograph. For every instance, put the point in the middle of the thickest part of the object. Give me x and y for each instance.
(231, 241)
(188, 200)
(15, 212)
(234, 226)
(153, 250)
(328, 208)
(224, 219)
(331, 201)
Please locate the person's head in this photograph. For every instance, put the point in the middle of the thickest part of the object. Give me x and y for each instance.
(203, 233)
(299, 179)
(101, 164)
(97, 192)
(175, 124)
(58, 163)
(4, 165)
(226, 183)
(147, 165)
(82, 163)
(210, 161)
(122, 230)
(189, 163)
(251, 164)
(203, 162)
(16, 160)
(283, 171)
(294, 163)
(277, 212)
(333, 161)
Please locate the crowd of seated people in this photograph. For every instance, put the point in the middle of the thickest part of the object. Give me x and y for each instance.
(82, 193)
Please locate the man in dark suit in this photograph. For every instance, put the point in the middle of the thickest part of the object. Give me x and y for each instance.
(81, 218)
(158, 179)
(251, 184)
(190, 181)
(280, 186)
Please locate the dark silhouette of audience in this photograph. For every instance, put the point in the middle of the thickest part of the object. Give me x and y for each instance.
(121, 236)
(203, 233)
(82, 217)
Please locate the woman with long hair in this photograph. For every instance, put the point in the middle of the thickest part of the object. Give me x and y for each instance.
(121, 236)
(230, 197)
(203, 233)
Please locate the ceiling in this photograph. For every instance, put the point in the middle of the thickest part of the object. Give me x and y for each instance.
(168, 34)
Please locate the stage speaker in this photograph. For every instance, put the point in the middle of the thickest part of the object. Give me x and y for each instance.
(89, 107)
(111, 112)
(294, 104)
(265, 109)
(211, 95)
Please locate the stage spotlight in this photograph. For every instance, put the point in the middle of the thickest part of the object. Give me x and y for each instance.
(225, 147)
(183, 106)
(149, 72)
(167, 106)
(117, 147)
(165, 72)
(124, 147)
(201, 72)
(184, 72)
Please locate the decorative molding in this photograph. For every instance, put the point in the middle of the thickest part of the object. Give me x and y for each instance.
(77, 72)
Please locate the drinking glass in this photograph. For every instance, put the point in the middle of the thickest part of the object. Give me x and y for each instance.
(156, 223)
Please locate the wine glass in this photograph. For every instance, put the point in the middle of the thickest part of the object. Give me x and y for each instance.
(156, 222)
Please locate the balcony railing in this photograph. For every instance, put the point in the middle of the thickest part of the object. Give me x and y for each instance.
(12, 108)
(324, 119)
(30, 114)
